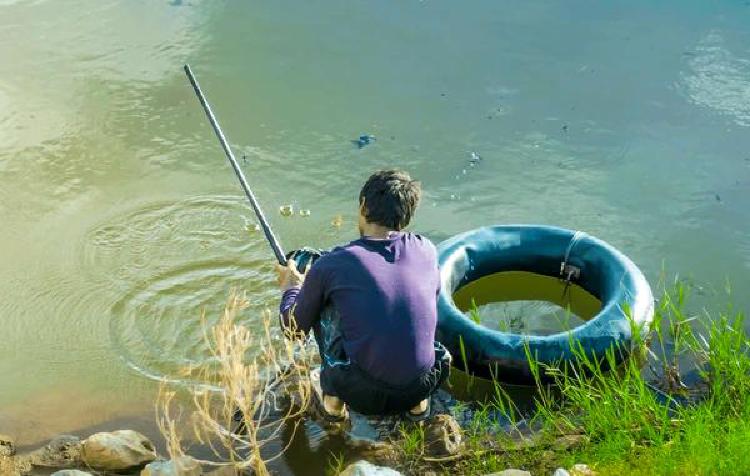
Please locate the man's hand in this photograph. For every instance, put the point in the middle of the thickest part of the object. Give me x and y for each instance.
(289, 276)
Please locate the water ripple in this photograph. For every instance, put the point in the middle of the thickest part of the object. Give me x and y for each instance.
(168, 263)
(157, 327)
(165, 234)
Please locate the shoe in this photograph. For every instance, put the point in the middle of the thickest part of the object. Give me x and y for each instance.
(331, 409)
(334, 406)
(420, 411)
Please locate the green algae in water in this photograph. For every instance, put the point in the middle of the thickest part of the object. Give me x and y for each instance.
(526, 303)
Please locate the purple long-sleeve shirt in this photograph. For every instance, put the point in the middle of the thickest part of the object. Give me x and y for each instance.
(386, 294)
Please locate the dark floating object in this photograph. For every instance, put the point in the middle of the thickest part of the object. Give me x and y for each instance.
(718, 198)
(565, 128)
(364, 140)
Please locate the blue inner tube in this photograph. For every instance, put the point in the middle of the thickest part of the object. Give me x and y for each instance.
(590, 263)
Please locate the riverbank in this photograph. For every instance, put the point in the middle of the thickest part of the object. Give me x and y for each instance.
(683, 408)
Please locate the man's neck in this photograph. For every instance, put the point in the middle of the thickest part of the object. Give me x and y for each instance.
(376, 232)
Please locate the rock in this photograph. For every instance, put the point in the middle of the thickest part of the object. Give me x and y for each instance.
(561, 472)
(581, 470)
(442, 436)
(117, 451)
(71, 472)
(180, 466)
(511, 472)
(363, 468)
(7, 446)
(383, 454)
(63, 451)
(7, 466)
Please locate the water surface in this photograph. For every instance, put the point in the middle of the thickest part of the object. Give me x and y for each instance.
(121, 219)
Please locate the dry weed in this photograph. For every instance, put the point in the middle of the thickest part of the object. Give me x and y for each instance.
(246, 401)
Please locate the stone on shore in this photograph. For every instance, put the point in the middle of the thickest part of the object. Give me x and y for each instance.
(442, 436)
(62, 451)
(561, 472)
(7, 466)
(117, 451)
(379, 453)
(71, 472)
(7, 446)
(363, 468)
(180, 466)
(581, 470)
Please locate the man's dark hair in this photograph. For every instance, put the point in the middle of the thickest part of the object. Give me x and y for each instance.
(390, 198)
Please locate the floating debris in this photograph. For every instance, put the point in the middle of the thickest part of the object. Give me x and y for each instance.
(304, 213)
(565, 128)
(286, 210)
(252, 228)
(474, 160)
(364, 140)
(337, 221)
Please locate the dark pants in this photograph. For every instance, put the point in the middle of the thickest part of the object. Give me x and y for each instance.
(362, 393)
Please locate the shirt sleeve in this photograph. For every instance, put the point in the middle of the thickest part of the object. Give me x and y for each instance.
(304, 304)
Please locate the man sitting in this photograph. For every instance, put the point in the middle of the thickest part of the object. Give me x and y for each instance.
(372, 305)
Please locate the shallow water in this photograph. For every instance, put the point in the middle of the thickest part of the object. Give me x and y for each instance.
(528, 317)
(526, 303)
(121, 219)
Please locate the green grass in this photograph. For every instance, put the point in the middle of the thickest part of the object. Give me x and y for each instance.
(336, 464)
(626, 428)
(632, 431)
(474, 312)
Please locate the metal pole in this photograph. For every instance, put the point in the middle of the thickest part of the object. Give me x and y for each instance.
(275, 246)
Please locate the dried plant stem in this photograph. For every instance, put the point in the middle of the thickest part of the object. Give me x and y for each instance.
(259, 394)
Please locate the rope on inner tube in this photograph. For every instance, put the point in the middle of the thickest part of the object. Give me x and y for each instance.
(570, 272)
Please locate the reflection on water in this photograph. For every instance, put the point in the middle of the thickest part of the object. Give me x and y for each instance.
(121, 219)
(719, 80)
